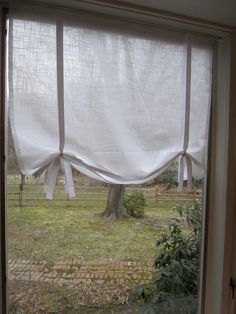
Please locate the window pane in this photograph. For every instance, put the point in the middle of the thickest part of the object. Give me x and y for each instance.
(129, 124)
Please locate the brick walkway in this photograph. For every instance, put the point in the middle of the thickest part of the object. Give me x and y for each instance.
(75, 272)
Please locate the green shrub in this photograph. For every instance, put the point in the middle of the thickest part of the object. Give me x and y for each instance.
(177, 262)
(134, 204)
(197, 183)
(169, 177)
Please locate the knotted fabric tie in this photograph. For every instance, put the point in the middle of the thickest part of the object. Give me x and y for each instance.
(185, 160)
(53, 174)
(60, 161)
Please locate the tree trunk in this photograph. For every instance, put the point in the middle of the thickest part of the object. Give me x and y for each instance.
(114, 207)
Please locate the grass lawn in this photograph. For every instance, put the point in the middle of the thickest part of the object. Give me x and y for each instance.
(62, 230)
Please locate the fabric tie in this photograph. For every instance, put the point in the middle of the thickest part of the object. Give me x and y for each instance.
(53, 174)
(60, 162)
(184, 160)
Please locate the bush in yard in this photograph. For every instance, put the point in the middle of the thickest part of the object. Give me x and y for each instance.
(197, 183)
(134, 204)
(169, 177)
(177, 263)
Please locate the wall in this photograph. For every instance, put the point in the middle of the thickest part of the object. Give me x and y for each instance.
(218, 11)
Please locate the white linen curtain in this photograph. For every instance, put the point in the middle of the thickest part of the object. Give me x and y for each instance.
(115, 100)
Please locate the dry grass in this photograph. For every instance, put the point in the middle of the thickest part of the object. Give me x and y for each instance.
(50, 230)
(62, 230)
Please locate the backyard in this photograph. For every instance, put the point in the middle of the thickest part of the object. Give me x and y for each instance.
(64, 257)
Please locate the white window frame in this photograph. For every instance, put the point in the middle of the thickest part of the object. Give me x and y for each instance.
(219, 233)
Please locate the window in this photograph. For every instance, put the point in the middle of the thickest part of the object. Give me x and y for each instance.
(218, 138)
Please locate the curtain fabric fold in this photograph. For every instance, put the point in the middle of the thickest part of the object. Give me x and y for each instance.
(115, 103)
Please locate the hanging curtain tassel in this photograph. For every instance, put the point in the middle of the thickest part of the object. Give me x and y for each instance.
(52, 178)
(70, 189)
(52, 174)
(189, 173)
(184, 159)
(181, 174)
(46, 180)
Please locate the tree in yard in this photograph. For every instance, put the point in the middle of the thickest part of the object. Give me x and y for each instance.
(114, 206)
